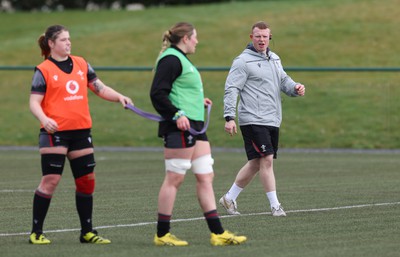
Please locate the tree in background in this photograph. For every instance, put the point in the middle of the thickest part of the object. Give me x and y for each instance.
(28, 5)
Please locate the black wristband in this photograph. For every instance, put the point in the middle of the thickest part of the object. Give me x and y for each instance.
(229, 118)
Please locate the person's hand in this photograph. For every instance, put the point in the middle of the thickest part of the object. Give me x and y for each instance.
(183, 123)
(207, 102)
(50, 125)
(230, 127)
(300, 89)
(124, 100)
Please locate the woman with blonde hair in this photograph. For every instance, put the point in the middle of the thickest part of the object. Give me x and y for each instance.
(177, 95)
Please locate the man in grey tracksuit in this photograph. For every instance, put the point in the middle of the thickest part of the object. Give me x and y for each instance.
(257, 77)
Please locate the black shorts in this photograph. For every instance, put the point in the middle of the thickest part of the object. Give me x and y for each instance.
(182, 139)
(260, 140)
(71, 139)
(176, 138)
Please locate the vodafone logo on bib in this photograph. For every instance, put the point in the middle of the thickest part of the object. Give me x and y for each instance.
(72, 87)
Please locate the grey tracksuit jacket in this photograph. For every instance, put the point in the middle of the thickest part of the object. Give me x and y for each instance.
(258, 80)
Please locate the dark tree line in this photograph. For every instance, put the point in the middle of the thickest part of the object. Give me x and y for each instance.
(26, 5)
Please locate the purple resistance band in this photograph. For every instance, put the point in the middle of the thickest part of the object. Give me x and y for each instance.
(155, 117)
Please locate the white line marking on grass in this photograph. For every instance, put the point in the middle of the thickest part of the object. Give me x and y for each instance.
(15, 190)
(202, 218)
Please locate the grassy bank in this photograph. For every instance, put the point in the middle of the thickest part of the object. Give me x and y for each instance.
(350, 110)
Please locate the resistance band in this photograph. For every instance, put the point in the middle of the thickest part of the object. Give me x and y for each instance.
(155, 117)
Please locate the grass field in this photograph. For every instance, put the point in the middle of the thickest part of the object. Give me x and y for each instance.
(340, 109)
(338, 204)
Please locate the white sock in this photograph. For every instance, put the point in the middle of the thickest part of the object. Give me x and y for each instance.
(273, 199)
(233, 193)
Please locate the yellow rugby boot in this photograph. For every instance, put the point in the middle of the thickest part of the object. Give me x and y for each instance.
(169, 240)
(226, 238)
(38, 239)
(93, 238)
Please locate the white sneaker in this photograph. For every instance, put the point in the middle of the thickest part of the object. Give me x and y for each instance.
(229, 205)
(278, 212)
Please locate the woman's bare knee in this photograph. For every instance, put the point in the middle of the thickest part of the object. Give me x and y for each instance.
(49, 183)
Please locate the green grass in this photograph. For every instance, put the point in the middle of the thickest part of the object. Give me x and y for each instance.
(126, 199)
(340, 109)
